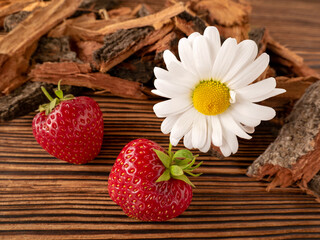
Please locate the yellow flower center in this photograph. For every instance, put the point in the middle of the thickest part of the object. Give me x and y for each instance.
(211, 97)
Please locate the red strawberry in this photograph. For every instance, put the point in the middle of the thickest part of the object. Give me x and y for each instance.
(150, 185)
(69, 128)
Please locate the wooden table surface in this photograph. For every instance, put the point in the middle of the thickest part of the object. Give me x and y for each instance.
(45, 198)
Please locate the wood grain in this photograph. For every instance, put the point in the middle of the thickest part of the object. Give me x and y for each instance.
(45, 198)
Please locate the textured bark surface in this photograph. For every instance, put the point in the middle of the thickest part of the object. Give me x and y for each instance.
(230, 17)
(294, 156)
(119, 42)
(314, 186)
(259, 36)
(54, 50)
(98, 4)
(124, 43)
(135, 69)
(17, 46)
(11, 21)
(81, 75)
(188, 23)
(27, 98)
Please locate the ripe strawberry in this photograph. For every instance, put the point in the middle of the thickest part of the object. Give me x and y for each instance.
(150, 185)
(69, 128)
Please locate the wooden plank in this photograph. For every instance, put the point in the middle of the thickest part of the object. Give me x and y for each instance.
(44, 198)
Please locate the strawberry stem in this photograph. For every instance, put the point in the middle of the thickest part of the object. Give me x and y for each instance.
(177, 164)
(46, 93)
(48, 107)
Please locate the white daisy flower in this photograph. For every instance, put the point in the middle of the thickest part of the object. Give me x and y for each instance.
(210, 99)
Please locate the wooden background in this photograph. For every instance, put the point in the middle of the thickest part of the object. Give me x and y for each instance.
(45, 198)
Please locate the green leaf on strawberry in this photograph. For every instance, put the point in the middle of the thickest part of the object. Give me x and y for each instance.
(183, 153)
(48, 107)
(177, 164)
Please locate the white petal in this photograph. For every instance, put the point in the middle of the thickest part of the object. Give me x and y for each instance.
(159, 93)
(244, 119)
(225, 149)
(186, 55)
(248, 129)
(213, 37)
(199, 131)
(257, 89)
(168, 58)
(171, 89)
(202, 58)
(172, 106)
(187, 140)
(182, 125)
(182, 76)
(231, 125)
(161, 73)
(232, 141)
(216, 131)
(168, 123)
(273, 93)
(174, 141)
(256, 111)
(177, 72)
(192, 36)
(207, 145)
(179, 75)
(247, 51)
(224, 58)
(250, 73)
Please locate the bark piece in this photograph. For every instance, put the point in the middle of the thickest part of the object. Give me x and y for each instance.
(122, 44)
(27, 98)
(85, 27)
(54, 50)
(77, 74)
(84, 21)
(188, 23)
(84, 33)
(85, 50)
(98, 4)
(150, 20)
(135, 68)
(259, 35)
(230, 17)
(13, 7)
(16, 47)
(313, 187)
(294, 156)
(168, 42)
(11, 21)
(142, 10)
(119, 42)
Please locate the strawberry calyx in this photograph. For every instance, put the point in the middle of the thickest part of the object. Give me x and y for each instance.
(177, 164)
(48, 107)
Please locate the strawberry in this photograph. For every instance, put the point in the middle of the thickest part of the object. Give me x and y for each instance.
(69, 128)
(150, 184)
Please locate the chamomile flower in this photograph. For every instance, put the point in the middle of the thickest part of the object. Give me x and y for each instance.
(211, 98)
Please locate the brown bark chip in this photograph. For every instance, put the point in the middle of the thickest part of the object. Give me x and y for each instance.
(294, 156)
